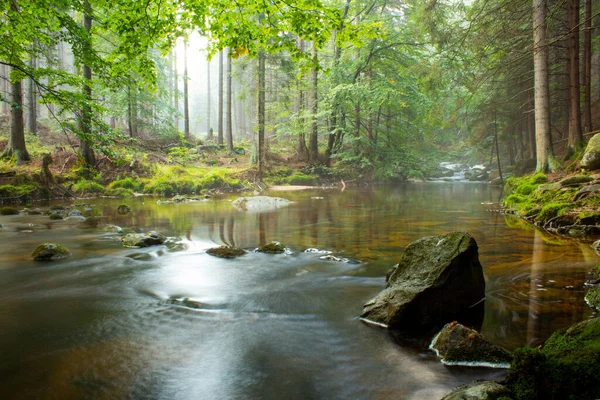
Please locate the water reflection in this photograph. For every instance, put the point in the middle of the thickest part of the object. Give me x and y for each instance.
(101, 324)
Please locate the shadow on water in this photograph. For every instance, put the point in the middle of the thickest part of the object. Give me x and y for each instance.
(111, 322)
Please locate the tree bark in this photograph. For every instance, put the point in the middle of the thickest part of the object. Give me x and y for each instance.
(587, 67)
(220, 117)
(575, 141)
(261, 114)
(32, 99)
(87, 153)
(186, 108)
(176, 90)
(301, 148)
(545, 155)
(229, 109)
(16, 141)
(209, 132)
(313, 144)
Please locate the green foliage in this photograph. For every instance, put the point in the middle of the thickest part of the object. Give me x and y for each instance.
(126, 183)
(22, 192)
(301, 179)
(88, 186)
(8, 211)
(168, 180)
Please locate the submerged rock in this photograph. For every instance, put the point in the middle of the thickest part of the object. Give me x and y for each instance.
(566, 367)
(479, 390)
(437, 279)
(50, 252)
(592, 297)
(331, 257)
(271, 248)
(140, 256)
(456, 344)
(123, 209)
(225, 252)
(175, 244)
(56, 216)
(259, 203)
(591, 156)
(135, 240)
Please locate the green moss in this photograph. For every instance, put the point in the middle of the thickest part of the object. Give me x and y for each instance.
(576, 179)
(525, 189)
(273, 248)
(565, 368)
(24, 191)
(302, 179)
(168, 181)
(126, 183)
(513, 182)
(55, 216)
(551, 210)
(49, 252)
(8, 211)
(87, 186)
(225, 252)
(119, 192)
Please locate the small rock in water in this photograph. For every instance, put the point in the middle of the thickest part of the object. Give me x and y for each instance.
(225, 252)
(123, 209)
(271, 248)
(134, 240)
(479, 390)
(75, 213)
(331, 257)
(317, 251)
(50, 252)
(140, 256)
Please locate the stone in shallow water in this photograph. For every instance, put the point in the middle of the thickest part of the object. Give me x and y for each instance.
(438, 279)
(225, 252)
(135, 240)
(479, 390)
(456, 344)
(50, 252)
(271, 248)
(259, 203)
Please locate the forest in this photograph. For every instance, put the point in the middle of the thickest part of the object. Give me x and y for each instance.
(365, 91)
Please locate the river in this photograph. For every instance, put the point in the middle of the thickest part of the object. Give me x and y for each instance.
(100, 324)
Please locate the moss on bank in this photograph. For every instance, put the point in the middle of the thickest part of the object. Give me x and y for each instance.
(558, 206)
(565, 368)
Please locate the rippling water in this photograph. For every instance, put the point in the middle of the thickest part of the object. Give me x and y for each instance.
(101, 325)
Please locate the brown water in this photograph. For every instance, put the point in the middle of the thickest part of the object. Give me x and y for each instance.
(98, 325)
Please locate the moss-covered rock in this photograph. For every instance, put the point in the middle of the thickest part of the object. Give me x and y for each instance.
(565, 368)
(591, 155)
(479, 390)
(226, 252)
(55, 216)
(136, 240)
(437, 279)
(456, 344)
(50, 252)
(592, 297)
(272, 247)
(8, 211)
(576, 180)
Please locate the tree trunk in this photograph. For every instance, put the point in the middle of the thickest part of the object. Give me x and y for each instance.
(587, 67)
(4, 90)
(220, 117)
(545, 155)
(575, 141)
(301, 148)
(32, 99)
(87, 153)
(261, 114)
(186, 108)
(209, 132)
(313, 144)
(176, 90)
(229, 110)
(16, 141)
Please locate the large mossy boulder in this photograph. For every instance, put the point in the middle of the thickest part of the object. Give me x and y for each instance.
(566, 367)
(479, 390)
(591, 156)
(456, 344)
(271, 248)
(136, 240)
(259, 203)
(437, 280)
(50, 252)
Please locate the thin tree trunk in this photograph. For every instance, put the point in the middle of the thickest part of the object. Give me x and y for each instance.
(186, 108)
(497, 147)
(32, 99)
(301, 148)
(545, 154)
(87, 153)
(209, 131)
(220, 117)
(176, 90)
(229, 110)
(575, 135)
(4, 88)
(313, 144)
(261, 113)
(587, 67)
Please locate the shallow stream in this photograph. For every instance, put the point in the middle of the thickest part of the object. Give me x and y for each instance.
(100, 324)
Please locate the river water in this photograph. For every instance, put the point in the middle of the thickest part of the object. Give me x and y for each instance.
(100, 324)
